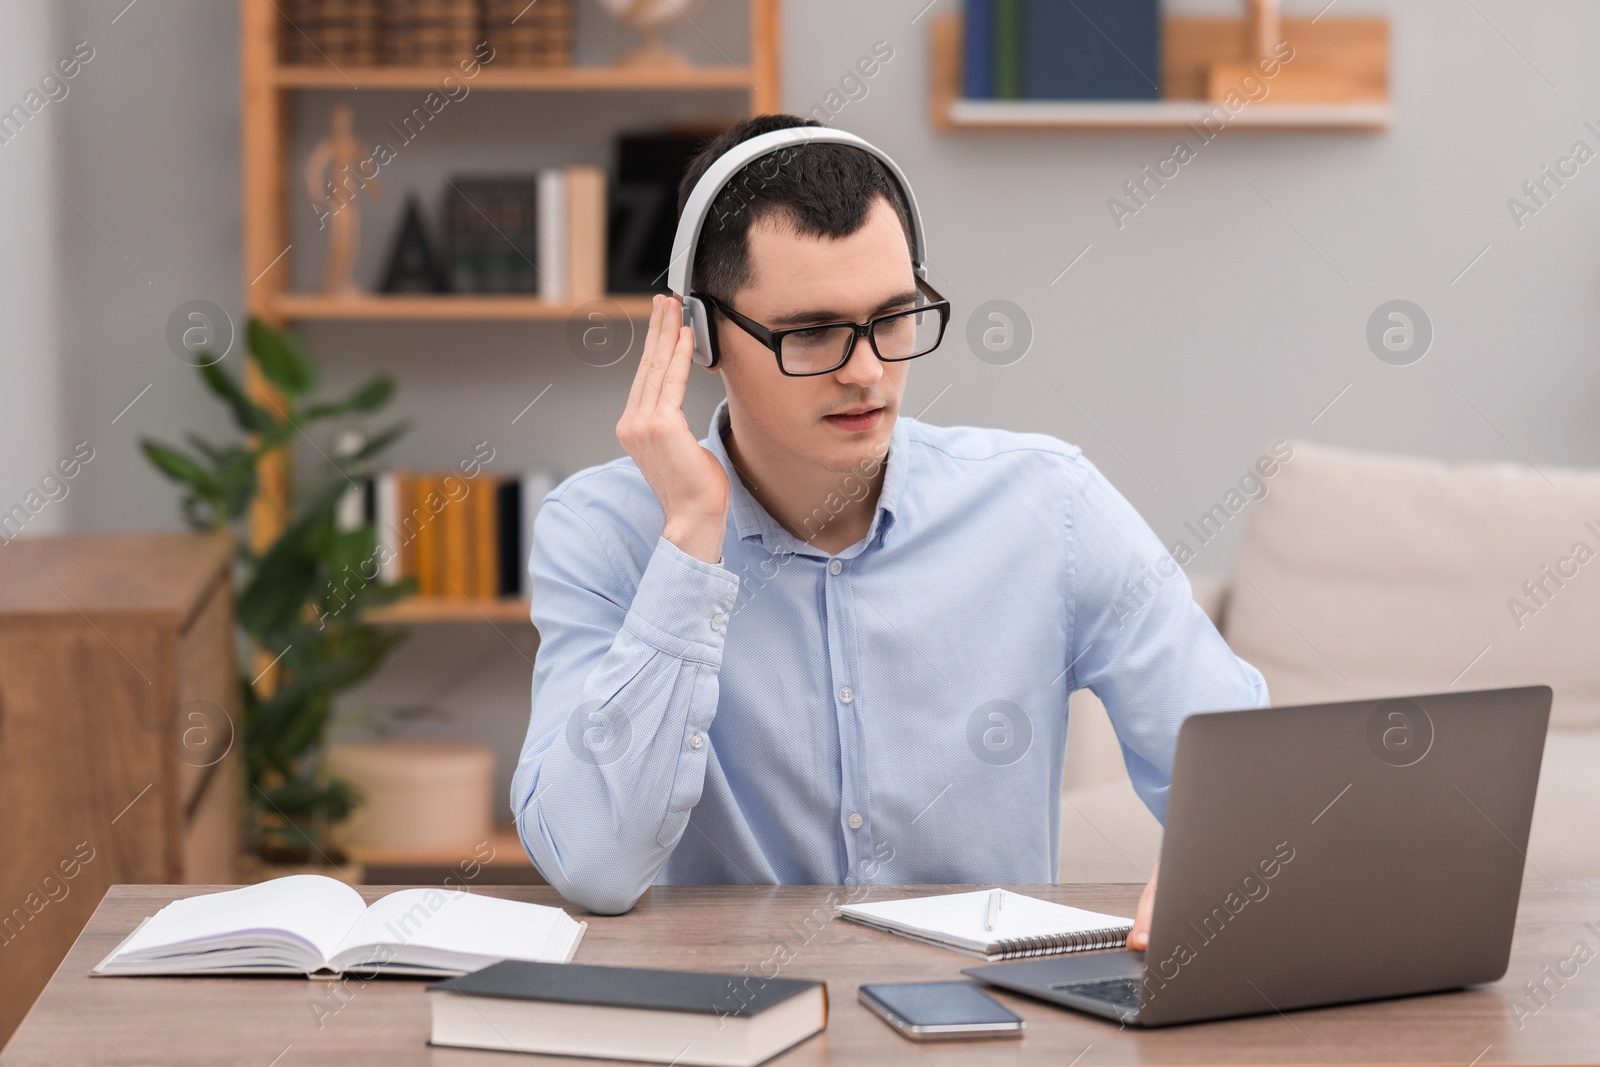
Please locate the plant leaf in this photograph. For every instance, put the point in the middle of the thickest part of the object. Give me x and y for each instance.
(250, 417)
(369, 397)
(281, 358)
(179, 467)
(236, 474)
(380, 441)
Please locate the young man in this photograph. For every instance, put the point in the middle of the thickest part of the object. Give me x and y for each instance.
(828, 643)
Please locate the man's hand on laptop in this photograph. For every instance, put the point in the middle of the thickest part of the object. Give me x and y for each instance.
(686, 477)
(1139, 936)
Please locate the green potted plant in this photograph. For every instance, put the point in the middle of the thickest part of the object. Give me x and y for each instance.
(302, 598)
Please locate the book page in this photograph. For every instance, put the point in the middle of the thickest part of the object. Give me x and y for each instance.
(317, 909)
(451, 920)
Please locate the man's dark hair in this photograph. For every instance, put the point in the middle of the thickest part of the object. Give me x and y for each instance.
(821, 190)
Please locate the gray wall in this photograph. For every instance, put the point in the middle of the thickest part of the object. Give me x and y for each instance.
(1226, 314)
(31, 435)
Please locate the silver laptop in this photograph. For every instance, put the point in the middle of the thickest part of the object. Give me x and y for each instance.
(1323, 854)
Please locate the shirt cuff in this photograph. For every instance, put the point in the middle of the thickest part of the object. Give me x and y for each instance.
(683, 604)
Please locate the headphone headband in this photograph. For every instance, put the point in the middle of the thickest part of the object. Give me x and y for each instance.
(680, 271)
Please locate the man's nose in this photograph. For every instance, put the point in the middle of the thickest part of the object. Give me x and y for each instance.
(863, 366)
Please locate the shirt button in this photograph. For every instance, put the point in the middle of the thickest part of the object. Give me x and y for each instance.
(856, 820)
(847, 694)
(717, 621)
(696, 741)
(835, 567)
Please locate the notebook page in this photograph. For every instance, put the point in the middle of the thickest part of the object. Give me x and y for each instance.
(317, 908)
(960, 917)
(451, 920)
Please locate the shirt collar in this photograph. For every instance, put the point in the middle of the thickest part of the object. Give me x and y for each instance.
(750, 519)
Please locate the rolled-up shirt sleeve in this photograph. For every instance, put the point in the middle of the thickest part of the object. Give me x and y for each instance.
(625, 687)
(1140, 642)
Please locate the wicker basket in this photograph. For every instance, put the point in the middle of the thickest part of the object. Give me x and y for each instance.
(524, 34)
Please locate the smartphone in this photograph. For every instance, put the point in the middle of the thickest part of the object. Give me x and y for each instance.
(925, 1011)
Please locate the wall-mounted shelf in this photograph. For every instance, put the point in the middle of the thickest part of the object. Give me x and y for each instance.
(1160, 115)
(301, 76)
(442, 308)
(1355, 50)
(426, 609)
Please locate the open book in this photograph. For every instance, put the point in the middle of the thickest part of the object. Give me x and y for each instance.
(311, 924)
(1023, 925)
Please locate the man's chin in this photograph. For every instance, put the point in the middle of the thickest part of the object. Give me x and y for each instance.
(857, 452)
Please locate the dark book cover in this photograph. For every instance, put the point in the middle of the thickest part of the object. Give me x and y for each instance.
(1092, 49)
(508, 535)
(626, 987)
(642, 208)
(491, 235)
(977, 48)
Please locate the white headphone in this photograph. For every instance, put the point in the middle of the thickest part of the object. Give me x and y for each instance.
(680, 270)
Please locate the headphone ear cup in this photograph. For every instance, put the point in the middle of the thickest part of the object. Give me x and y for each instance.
(698, 316)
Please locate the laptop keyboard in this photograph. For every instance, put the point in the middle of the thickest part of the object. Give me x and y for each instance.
(1123, 993)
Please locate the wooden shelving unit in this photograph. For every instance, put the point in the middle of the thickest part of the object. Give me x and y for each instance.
(1356, 47)
(266, 87)
(559, 78)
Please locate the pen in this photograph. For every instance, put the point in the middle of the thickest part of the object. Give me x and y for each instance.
(994, 908)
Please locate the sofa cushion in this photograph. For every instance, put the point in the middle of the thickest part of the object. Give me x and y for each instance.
(1108, 835)
(1368, 575)
(1561, 842)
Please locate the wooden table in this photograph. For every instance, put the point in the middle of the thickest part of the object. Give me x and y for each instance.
(286, 1022)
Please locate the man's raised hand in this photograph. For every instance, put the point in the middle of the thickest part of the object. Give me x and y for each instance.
(687, 479)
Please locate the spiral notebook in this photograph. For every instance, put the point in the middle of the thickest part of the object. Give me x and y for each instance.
(1024, 925)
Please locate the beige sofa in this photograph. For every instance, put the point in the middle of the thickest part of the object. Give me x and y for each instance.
(1362, 575)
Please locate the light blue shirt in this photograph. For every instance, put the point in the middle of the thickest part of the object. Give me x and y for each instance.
(894, 713)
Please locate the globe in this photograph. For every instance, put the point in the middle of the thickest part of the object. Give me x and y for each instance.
(651, 18)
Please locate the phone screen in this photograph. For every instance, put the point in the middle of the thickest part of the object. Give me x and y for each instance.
(940, 1008)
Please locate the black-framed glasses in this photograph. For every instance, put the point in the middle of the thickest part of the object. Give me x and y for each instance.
(807, 350)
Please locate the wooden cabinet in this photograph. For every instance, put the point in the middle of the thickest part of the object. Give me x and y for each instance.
(119, 746)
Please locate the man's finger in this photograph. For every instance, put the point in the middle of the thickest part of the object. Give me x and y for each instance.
(661, 359)
(637, 389)
(676, 383)
(1139, 937)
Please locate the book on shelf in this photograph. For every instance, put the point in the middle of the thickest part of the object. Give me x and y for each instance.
(318, 926)
(458, 536)
(419, 33)
(415, 33)
(529, 35)
(551, 221)
(642, 212)
(543, 234)
(1046, 50)
(341, 32)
